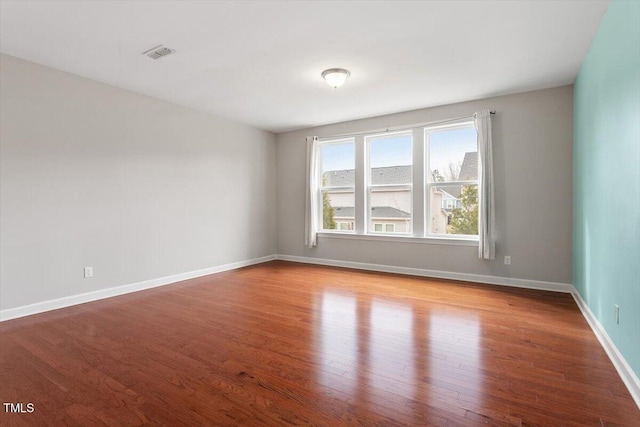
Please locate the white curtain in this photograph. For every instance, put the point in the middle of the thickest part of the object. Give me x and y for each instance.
(486, 203)
(311, 206)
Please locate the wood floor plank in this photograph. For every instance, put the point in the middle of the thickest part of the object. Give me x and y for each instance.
(291, 344)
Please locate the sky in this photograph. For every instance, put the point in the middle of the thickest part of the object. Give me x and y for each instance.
(338, 156)
(394, 150)
(449, 147)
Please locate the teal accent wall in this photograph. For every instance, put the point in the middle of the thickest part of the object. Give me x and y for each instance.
(606, 177)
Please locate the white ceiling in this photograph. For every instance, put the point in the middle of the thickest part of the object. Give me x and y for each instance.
(259, 62)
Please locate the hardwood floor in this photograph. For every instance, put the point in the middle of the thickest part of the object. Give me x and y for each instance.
(292, 344)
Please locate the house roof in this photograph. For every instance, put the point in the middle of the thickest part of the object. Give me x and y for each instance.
(388, 212)
(376, 212)
(344, 212)
(402, 175)
(392, 175)
(469, 168)
(339, 178)
(379, 176)
(452, 192)
(397, 174)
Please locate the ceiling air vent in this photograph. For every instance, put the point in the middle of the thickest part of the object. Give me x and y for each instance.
(158, 52)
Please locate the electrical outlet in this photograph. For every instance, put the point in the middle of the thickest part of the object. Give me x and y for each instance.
(507, 260)
(88, 272)
(617, 313)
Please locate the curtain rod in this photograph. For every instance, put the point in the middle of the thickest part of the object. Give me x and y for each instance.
(405, 127)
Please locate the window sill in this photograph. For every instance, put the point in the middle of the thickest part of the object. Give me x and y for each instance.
(456, 241)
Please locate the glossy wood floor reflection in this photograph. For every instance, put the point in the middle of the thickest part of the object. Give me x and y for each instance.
(290, 344)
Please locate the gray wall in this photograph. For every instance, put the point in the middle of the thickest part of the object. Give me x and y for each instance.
(92, 175)
(532, 136)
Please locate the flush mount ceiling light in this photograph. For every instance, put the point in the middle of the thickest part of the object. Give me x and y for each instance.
(335, 77)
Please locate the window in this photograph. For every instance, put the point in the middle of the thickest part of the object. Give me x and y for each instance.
(389, 181)
(344, 226)
(416, 182)
(337, 166)
(451, 160)
(386, 228)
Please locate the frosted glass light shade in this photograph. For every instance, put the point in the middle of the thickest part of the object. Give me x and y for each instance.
(335, 77)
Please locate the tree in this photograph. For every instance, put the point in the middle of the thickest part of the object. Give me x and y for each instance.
(453, 171)
(328, 223)
(464, 220)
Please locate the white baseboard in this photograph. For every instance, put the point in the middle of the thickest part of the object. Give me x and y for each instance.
(40, 307)
(467, 277)
(629, 378)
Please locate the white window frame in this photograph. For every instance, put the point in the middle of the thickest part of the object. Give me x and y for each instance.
(371, 187)
(420, 189)
(322, 188)
(430, 183)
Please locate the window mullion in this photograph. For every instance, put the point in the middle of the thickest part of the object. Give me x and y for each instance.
(417, 210)
(426, 180)
(360, 185)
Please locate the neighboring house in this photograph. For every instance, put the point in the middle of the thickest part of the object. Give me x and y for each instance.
(384, 219)
(391, 204)
(450, 199)
(439, 217)
(468, 172)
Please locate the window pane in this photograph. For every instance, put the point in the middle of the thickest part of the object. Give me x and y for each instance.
(338, 210)
(390, 158)
(391, 164)
(453, 155)
(454, 210)
(337, 163)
